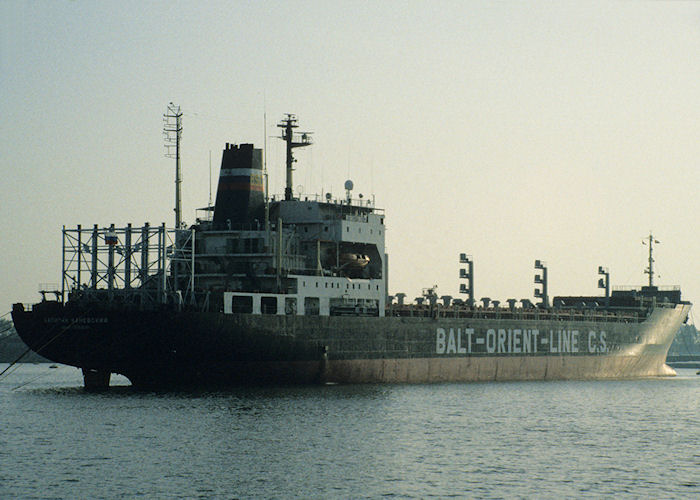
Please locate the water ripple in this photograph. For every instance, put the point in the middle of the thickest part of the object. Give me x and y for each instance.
(545, 440)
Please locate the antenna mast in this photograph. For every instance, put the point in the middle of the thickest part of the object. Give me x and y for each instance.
(172, 132)
(650, 270)
(210, 178)
(267, 191)
(288, 125)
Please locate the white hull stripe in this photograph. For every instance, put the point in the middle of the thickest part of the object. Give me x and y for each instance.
(240, 172)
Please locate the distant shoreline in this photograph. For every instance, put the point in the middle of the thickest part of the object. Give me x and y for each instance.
(12, 347)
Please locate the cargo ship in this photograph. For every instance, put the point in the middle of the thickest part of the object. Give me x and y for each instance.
(294, 290)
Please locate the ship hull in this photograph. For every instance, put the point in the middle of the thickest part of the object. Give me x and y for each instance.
(167, 349)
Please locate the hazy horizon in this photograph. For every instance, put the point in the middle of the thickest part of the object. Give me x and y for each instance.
(511, 131)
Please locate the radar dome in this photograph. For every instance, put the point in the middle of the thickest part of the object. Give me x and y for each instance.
(349, 185)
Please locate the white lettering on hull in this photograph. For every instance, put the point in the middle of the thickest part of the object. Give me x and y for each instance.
(452, 342)
(518, 341)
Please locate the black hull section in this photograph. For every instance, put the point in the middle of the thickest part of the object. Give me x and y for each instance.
(171, 349)
(168, 349)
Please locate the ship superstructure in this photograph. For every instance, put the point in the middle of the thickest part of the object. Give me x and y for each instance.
(292, 255)
(252, 255)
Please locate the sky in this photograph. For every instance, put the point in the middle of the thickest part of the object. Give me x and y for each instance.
(511, 131)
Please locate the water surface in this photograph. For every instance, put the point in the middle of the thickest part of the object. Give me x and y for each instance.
(534, 439)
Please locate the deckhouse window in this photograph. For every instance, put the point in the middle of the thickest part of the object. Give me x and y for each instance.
(311, 306)
(290, 305)
(268, 305)
(242, 304)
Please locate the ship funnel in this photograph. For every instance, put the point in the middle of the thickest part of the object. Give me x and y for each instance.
(240, 193)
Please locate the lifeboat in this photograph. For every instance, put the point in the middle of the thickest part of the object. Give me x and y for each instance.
(354, 260)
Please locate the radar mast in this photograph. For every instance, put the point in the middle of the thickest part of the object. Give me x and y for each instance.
(288, 124)
(650, 270)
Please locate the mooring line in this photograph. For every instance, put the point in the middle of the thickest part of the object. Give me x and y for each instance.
(38, 351)
(14, 363)
(11, 324)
